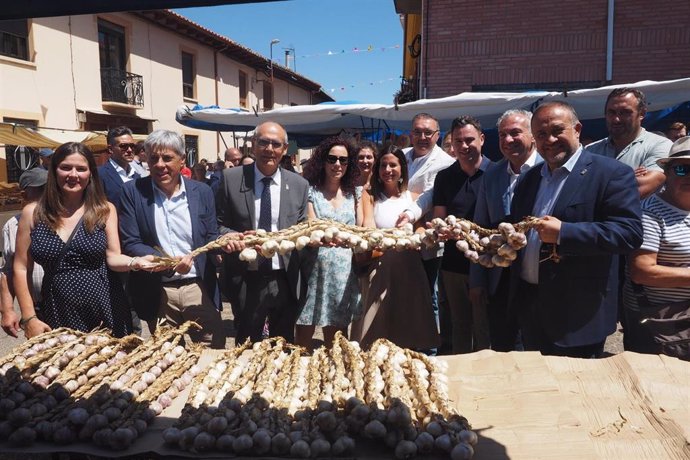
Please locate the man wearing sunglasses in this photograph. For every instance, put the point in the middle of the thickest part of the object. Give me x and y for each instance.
(118, 169)
(264, 196)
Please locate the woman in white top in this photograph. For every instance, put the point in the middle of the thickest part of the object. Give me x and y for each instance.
(395, 295)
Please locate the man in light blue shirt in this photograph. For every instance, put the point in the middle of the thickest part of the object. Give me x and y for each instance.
(564, 283)
(177, 215)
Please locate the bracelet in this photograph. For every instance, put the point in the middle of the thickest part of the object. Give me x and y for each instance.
(131, 262)
(23, 322)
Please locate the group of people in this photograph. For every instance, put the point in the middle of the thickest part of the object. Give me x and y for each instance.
(624, 198)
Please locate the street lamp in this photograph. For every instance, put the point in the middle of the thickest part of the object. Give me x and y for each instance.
(273, 42)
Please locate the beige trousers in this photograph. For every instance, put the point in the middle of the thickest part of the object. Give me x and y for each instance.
(190, 302)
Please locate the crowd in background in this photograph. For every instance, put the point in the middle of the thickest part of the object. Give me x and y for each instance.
(611, 244)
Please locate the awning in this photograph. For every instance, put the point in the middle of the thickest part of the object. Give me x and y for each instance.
(14, 134)
(308, 124)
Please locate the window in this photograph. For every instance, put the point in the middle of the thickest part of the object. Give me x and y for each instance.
(191, 148)
(188, 75)
(20, 158)
(111, 45)
(14, 36)
(268, 95)
(243, 89)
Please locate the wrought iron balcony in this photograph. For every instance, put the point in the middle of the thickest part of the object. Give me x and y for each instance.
(123, 87)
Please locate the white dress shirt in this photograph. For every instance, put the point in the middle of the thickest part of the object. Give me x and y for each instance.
(277, 262)
(124, 175)
(174, 225)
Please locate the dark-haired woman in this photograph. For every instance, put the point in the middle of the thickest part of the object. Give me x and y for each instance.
(333, 291)
(366, 156)
(72, 232)
(396, 303)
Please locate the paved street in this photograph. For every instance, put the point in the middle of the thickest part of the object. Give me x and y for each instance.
(614, 344)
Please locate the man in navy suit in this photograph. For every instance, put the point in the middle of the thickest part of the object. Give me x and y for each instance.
(489, 286)
(118, 170)
(564, 283)
(265, 196)
(167, 211)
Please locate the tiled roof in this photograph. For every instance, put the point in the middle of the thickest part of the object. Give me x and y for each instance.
(178, 23)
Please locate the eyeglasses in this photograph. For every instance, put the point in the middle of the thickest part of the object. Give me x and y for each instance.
(425, 133)
(333, 159)
(127, 146)
(264, 143)
(681, 170)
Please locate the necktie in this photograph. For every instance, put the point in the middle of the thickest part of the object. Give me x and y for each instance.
(265, 208)
(265, 217)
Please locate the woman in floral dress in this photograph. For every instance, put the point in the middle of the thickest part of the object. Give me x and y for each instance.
(332, 299)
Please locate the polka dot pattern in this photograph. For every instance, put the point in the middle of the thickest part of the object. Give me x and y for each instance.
(79, 291)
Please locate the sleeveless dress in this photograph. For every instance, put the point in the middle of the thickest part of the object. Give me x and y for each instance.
(332, 288)
(395, 293)
(79, 291)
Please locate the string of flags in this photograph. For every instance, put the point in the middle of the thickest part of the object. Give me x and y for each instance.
(367, 49)
(360, 85)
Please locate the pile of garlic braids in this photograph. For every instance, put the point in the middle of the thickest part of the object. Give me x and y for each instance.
(485, 246)
(67, 386)
(271, 399)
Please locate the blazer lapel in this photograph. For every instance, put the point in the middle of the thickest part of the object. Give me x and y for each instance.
(573, 185)
(247, 188)
(284, 199)
(528, 188)
(150, 208)
(193, 203)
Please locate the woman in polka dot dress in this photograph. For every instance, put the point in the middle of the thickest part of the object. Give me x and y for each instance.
(72, 233)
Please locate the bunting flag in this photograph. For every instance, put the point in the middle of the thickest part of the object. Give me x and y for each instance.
(359, 85)
(355, 50)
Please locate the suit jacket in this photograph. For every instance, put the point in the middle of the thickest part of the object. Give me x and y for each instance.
(236, 213)
(112, 182)
(138, 235)
(599, 206)
(489, 212)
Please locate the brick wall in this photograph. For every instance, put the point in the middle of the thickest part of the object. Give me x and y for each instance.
(496, 43)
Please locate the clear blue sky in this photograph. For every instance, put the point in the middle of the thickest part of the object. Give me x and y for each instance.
(313, 28)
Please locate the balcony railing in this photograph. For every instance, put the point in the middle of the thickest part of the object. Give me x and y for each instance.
(123, 87)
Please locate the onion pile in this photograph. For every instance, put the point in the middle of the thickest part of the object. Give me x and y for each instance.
(272, 399)
(66, 386)
(480, 245)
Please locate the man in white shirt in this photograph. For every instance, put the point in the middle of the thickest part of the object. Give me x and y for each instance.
(264, 196)
(118, 170)
(424, 160)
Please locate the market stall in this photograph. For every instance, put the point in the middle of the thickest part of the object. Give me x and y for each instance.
(521, 405)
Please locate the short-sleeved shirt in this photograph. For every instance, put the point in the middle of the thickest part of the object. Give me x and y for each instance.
(667, 233)
(643, 151)
(458, 193)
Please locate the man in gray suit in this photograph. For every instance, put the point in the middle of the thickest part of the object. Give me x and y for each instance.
(489, 286)
(262, 196)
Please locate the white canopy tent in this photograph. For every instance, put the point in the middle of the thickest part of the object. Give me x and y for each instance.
(327, 119)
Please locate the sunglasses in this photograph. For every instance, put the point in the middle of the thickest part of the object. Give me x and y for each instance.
(264, 143)
(333, 159)
(127, 146)
(681, 170)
